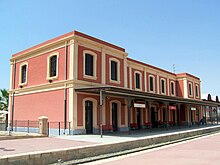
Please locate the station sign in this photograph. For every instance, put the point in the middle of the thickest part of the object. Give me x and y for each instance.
(193, 108)
(139, 105)
(172, 108)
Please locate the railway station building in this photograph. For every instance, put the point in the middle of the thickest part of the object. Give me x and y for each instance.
(93, 85)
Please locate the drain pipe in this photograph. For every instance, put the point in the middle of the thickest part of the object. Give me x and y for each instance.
(65, 90)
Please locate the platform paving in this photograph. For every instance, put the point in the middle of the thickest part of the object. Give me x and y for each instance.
(67, 147)
(199, 151)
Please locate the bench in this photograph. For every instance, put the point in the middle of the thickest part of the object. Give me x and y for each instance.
(107, 128)
(133, 125)
(147, 125)
(171, 123)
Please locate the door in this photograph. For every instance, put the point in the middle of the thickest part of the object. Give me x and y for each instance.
(139, 118)
(89, 117)
(154, 117)
(114, 117)
(174, 117)
(164, 114)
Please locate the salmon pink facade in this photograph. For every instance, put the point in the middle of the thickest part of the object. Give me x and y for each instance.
(94, 86)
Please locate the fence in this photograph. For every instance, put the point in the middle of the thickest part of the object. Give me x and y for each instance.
(54, 128)
(26, 126)
(59, 128)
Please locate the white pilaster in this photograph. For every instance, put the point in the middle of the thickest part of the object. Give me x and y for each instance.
(103, 66)
(158, 84)
(75, 71)
(71, 67)
(126, 113)
(168, 86)
(145, 79)
(71, 108)
(74, 109)
(185, 88)
(125, 73)
(130, 77)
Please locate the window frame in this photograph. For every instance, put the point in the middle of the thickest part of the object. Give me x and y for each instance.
(118, 81)
(174, 91)
(153, 78)
(94, 77)
(190, 88)
(49, 66)
(140, 80)
(21, 74)
(161, 86)
(197, 91)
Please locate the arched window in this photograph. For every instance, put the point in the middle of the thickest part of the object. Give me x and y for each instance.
(197, 91)
(114, 70)
(53, 66)
(89, 64)
(190, 89)
(163, 86)
(152, 83)
(23, 74)
(172, 88)
(137, 80)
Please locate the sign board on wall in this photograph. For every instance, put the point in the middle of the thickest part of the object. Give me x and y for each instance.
(172, 107)
(139, 105)
(193, 108)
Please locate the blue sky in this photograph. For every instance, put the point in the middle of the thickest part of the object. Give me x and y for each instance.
(157, 32)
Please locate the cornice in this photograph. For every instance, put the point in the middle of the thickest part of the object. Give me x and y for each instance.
(39, 50)
(102, 46)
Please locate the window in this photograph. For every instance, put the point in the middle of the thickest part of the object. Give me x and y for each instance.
(151, 79)
(163, 84)
(53, 66)
(137, 80)
(197, 91)
(172, 88)
(23, 74)
(89, 64)
(190, 89)
(114, 71)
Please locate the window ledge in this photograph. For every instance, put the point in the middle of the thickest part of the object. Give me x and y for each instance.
(90, 77)
(114, 81)
(22, 84)
(138, 89)
(52, 78)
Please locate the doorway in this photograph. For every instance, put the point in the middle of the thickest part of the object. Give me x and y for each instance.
(89, 117)
(115, 117)
(139, 118)
(154, 117)
(174, 117)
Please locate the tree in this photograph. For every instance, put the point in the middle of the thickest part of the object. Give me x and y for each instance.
(4, 99)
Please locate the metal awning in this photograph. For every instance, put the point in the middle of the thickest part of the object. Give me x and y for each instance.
(117, 91)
